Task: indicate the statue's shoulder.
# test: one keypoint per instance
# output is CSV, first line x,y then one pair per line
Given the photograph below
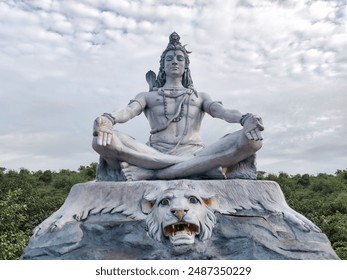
x,y
204,96
147,96
153,93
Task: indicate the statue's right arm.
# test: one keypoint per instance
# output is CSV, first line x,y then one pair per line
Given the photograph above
x,y
103,125
134,108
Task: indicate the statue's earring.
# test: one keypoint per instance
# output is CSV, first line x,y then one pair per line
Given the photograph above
x,y
185,77
162,75
161,78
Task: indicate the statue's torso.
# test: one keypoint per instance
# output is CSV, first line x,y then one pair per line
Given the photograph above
x,y
160,108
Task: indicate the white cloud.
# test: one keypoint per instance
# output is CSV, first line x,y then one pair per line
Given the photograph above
x,y
77,9
114,21
62,63
319,10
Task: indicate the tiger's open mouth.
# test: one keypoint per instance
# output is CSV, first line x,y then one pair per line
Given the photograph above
x,y
181,233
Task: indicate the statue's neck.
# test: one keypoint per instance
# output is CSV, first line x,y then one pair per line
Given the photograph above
x,y
173,82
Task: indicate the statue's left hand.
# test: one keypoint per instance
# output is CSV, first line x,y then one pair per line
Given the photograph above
x,y
253,125
103,129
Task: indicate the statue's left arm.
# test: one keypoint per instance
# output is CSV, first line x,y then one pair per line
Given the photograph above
x,y
252,124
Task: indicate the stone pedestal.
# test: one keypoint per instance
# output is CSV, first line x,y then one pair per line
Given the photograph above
x,y
107,220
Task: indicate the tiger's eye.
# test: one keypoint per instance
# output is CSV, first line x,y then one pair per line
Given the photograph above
x,y
193,200
164,202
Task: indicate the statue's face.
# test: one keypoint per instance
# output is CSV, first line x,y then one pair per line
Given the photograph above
x,y
174,63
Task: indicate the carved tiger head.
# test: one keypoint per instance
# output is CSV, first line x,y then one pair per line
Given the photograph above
x,y
179,215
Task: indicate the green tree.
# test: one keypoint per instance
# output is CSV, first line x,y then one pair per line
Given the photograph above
x,y
46,177
12,237
322,199
304,180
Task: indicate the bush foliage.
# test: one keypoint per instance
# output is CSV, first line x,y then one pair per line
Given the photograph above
x,y
322,199
27,198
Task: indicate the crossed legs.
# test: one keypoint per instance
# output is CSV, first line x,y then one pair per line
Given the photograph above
x,y
141,162
124,148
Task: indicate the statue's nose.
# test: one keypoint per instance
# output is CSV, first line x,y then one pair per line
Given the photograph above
x,y
179,213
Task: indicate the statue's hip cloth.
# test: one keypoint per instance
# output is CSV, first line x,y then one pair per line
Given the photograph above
x,y
177,149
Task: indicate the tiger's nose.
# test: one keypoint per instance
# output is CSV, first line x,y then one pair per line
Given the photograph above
x,y
179,213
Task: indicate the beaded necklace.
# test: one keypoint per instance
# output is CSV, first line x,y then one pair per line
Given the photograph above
x,y
173,93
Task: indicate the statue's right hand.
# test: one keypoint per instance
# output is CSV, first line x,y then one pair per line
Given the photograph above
x,y
103,129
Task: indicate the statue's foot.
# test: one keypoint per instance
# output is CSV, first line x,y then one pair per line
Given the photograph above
x,y
135,173
245,169
216,173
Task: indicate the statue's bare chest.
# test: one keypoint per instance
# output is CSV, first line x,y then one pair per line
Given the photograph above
x,y
169,106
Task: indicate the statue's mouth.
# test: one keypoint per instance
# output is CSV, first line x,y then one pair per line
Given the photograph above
x,y
181,233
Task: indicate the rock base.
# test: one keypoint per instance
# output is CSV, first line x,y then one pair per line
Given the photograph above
x,y
104,220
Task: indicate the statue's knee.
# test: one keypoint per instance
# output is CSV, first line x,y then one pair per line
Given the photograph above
x,y
255,145
95,145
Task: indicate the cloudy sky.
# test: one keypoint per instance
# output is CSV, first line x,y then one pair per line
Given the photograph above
x,y
63,63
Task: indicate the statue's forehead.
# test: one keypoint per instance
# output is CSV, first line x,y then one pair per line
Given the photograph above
x,y
174,52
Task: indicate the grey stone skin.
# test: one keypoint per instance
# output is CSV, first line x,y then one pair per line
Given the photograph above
x,y
104,220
